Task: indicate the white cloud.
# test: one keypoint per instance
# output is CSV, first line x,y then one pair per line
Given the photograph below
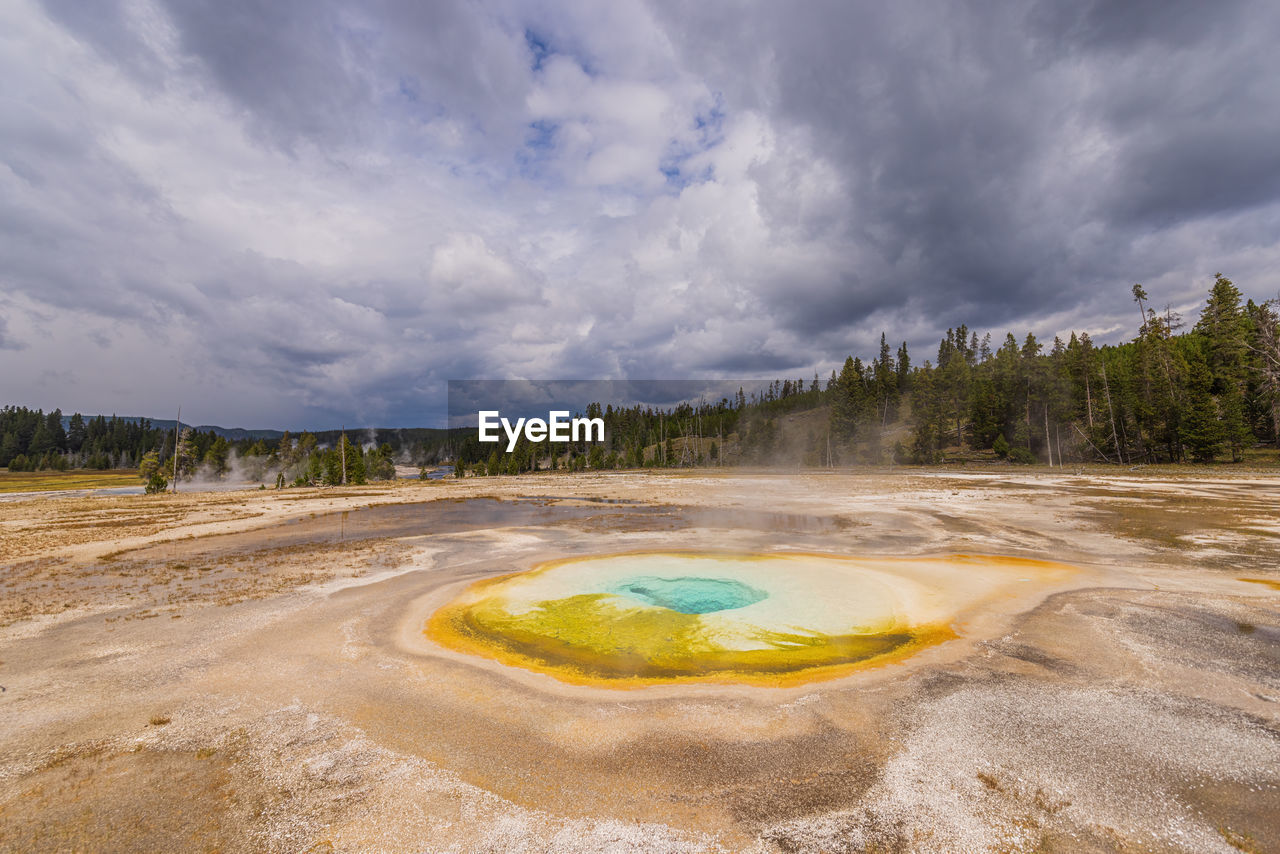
x,y
307,212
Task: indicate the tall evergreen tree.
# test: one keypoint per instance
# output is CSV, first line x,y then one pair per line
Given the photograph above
x,y
848,402
904,369
929,415
1224,327
1203,431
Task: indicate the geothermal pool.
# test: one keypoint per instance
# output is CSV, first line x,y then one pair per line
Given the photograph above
x,y
633,619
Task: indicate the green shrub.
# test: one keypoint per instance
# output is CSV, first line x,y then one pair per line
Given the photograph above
x,y
1022,456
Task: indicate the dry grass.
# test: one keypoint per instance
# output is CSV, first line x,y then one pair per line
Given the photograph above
x,y
44,481
28,529
142,589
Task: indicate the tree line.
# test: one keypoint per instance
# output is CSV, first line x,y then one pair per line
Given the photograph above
x,y
736,429
287,462
33,440
1204,394
1171,394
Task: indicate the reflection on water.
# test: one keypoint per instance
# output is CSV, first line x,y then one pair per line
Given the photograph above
x,y
589,499
436,473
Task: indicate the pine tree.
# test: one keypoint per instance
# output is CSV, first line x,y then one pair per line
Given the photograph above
x,y
904,369
1226,330
1202,433
929,412
848,402
152,473
1010,392
57,432
76,433
217,455
41,440
1235,429
952,378
332,467
1224,327
885,383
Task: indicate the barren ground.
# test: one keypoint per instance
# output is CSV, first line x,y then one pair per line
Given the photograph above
x,y
246,671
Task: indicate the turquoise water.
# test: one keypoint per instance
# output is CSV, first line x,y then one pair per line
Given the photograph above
x,y
690,594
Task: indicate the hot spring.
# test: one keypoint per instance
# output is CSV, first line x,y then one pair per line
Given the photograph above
x,y
661,617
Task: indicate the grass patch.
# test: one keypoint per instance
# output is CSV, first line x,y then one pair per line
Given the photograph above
x,y
45,481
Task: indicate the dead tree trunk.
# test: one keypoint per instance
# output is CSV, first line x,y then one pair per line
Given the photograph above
x,y
177,433
1115,438
1048,445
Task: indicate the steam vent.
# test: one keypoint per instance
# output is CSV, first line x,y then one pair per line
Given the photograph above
x,y
769,619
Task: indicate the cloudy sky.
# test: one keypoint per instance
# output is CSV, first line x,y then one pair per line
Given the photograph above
x,y
300,213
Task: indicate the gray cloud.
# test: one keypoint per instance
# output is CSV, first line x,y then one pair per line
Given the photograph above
x,y
305,213
7,341
982,146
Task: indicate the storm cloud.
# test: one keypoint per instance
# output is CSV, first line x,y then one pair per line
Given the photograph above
x,y
299,214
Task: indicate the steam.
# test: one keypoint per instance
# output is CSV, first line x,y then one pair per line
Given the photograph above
x,y
242,471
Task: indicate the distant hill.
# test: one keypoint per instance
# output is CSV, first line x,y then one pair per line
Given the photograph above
x,y
231,432
394,435
167,424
